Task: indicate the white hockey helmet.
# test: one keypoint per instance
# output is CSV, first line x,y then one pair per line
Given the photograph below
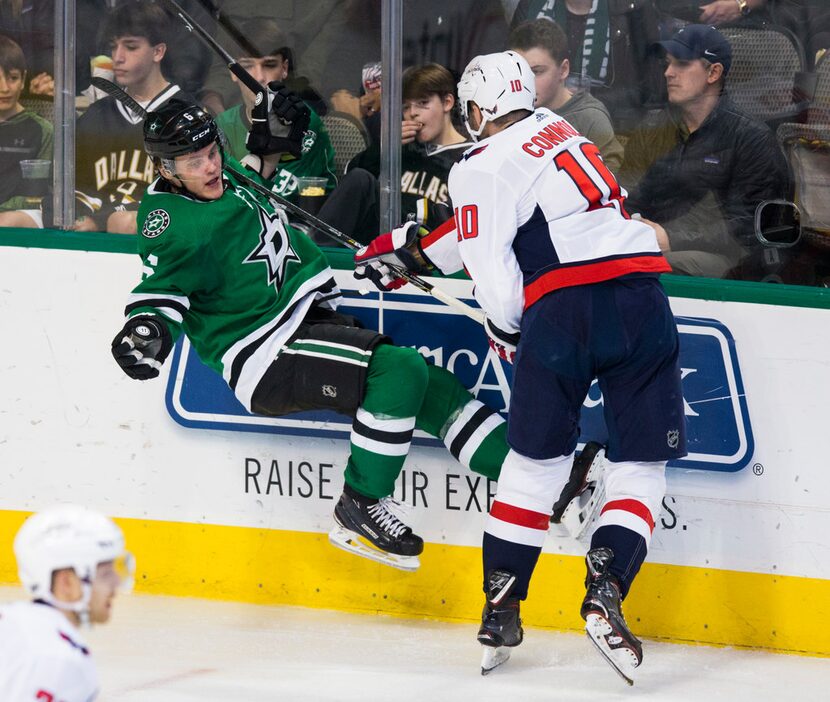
x,y
68,536
498,84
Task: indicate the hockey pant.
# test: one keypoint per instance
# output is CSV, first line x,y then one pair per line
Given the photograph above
x,y
403,392
518,522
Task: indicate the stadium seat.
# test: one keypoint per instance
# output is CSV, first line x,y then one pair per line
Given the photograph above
x,y
348,137
43,106
767,61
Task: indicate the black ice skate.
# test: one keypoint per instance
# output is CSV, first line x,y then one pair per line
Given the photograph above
x,y
366,527
583,493
501,626
604,621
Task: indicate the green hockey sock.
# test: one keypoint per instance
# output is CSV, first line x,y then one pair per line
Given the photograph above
x,y
383,425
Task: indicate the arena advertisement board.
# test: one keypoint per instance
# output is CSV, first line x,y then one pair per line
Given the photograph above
x,y
718,423
217,505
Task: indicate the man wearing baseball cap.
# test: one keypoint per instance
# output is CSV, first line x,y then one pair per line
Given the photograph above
x,y
697,170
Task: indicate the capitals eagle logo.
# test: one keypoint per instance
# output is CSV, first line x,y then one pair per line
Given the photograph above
x,y
274,248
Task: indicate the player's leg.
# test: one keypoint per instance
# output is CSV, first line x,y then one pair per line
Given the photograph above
x,y
639,377
333,365
552,375
475,434
380,439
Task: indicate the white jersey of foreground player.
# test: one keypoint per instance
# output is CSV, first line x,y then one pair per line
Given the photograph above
x,y
540,172
43,657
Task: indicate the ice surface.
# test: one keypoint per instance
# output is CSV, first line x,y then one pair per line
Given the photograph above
x,y
165,649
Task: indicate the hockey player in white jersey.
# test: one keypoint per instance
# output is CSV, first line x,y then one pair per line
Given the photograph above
x,y
72,561
569,284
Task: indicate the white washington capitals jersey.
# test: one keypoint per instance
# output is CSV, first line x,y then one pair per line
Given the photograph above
x,y
42,657
536,210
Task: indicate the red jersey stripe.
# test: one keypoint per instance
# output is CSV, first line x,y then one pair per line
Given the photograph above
x,y
592,273
634,507
519,516
441,230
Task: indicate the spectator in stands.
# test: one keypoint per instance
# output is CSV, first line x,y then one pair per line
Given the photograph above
x,y
31,26
23,136
545,47
609,44
272,65
809,20
431,145
219,92
698,171
726,11
31,23
112,169
365,108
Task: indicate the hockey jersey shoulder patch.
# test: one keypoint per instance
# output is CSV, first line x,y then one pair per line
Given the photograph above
x,y
155,223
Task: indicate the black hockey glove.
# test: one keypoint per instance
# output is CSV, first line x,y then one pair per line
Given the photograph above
x,y
279,121
502,342
141,346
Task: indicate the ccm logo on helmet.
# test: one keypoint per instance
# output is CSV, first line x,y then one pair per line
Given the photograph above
x,y
200,135
549,137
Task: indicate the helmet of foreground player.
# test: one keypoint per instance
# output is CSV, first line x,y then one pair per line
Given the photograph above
x,y
178,128
498,84
68,536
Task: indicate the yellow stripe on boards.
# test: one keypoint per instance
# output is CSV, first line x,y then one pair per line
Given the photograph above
x,y
675,603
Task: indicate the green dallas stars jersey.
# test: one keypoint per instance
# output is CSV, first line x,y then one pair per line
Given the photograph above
x,y
229,273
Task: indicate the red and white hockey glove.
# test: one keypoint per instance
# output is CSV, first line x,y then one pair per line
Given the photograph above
x,y
399,248
502,342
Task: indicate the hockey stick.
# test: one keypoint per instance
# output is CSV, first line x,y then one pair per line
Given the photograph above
x,y
119,94
233,31
192,26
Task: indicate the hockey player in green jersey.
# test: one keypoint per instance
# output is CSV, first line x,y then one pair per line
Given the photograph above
x,y
258,302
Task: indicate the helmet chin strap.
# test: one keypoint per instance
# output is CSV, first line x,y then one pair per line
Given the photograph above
x,y
474,133
79,606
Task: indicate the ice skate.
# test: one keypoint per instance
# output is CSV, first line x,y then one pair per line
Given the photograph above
x,y
604,621
366,527
578,502
501,626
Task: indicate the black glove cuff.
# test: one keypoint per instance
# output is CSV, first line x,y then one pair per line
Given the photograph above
x,y
509,337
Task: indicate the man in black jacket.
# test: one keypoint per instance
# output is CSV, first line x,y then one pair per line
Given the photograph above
x,y
699,169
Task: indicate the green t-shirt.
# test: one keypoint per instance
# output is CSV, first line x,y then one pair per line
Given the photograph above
x,y
229,273
26,135
317,157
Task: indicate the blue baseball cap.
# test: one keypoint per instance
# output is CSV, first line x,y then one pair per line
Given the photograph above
x,y
700,41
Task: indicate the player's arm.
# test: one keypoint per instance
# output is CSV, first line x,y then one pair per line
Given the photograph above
x,y
411,247
485,218
440,248
157,306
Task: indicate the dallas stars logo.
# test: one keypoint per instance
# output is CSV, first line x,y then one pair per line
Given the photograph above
x,y
156,222
274,248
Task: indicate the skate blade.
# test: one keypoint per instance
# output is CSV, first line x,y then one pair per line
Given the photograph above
x,y
622,660
493,657
352,542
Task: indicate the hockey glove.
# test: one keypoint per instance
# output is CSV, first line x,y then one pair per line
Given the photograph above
x,y
399,248
502,342
141,346
279,121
